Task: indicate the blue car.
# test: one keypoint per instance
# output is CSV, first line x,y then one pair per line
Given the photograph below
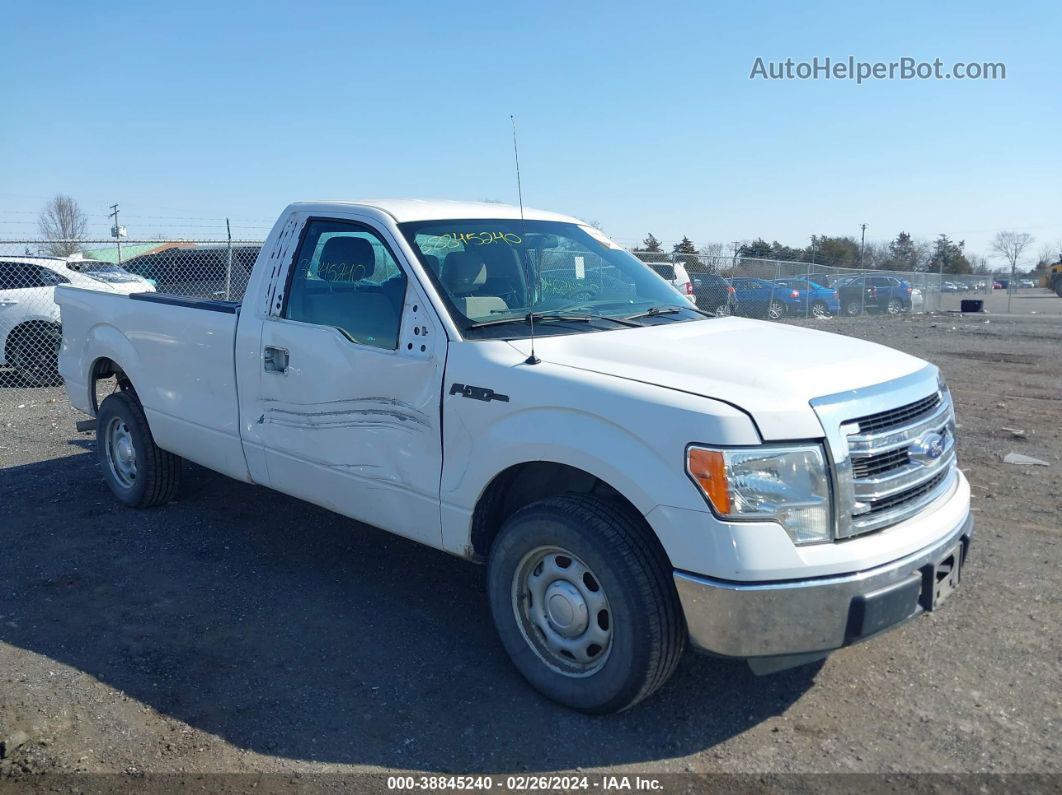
x,y
763,298
812,298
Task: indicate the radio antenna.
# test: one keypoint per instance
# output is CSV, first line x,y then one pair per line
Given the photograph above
x,y
516,156
532,359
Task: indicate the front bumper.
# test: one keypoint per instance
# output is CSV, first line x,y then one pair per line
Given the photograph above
x,y
795,621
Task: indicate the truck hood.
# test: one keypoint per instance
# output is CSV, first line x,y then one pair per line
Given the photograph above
x,y
769,370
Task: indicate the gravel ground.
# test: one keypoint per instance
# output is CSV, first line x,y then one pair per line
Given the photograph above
x,y
240,630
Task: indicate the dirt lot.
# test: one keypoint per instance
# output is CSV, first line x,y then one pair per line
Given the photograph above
x,y
241,630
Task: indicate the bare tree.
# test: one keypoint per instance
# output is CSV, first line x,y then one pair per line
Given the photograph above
x,y
1010,246
62,221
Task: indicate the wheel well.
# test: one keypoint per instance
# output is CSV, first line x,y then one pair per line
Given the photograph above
x,y
524,484
105,368
23,329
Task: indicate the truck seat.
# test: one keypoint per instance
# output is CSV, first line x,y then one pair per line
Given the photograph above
x,y
344,299
463,273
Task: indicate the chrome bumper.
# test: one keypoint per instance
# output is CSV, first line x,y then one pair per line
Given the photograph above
x,y
795,621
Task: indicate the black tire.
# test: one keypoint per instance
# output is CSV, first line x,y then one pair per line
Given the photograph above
x,y
157,472
895,306
819,309
648,631
33,352
723,310
852,308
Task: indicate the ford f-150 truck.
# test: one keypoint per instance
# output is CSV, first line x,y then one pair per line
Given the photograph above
x,y
635,473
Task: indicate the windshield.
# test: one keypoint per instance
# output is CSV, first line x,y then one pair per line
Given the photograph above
x,y
493,273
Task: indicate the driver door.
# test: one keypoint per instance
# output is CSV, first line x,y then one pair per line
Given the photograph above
x,y
351,363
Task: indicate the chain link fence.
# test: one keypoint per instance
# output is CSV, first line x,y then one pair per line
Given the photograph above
x,y
30,270
781,289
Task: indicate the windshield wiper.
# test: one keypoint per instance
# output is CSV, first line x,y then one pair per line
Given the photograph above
x,y
657,311
581,317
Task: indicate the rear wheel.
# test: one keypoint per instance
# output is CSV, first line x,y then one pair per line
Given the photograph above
x,y
140,474
33,352
584,602
895,306
775,310
723,310
819,309
852,308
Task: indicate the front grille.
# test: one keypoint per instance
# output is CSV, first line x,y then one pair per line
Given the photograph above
x,y
884,420
868,466
891,479
886,503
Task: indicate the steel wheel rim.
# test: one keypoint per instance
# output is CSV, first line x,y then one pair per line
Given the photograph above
x,y
120,451
562,611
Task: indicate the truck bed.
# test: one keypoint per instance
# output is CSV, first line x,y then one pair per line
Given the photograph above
x,y
177,351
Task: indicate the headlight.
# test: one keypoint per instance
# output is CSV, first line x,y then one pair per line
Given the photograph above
x,y
788,485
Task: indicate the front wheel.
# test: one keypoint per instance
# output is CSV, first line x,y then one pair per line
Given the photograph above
x,y
138,471
584,602
852,308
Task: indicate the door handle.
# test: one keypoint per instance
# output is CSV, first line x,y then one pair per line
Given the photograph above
x,y
275,359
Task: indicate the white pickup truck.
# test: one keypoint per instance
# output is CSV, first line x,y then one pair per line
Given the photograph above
x,y
514,388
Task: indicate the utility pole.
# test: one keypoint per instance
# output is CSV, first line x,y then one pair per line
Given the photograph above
x,y
735,245
116,231
862,243
228,263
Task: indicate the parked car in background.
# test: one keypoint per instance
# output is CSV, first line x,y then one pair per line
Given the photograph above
x,y
949,287
825,279
674,273
30,332
112,274
812,298
714,294
762,298
874,293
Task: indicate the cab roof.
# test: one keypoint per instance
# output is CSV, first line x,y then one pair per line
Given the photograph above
x,y
403,210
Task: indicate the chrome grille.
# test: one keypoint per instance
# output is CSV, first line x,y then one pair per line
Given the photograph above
x,y
893,417
889,482
870,465
889,463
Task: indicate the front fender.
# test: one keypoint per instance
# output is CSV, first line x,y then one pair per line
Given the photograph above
x,y
632,436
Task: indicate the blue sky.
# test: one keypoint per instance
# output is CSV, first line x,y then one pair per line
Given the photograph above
x,y
641,116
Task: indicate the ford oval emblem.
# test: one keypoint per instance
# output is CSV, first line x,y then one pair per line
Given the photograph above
x,y
929,447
